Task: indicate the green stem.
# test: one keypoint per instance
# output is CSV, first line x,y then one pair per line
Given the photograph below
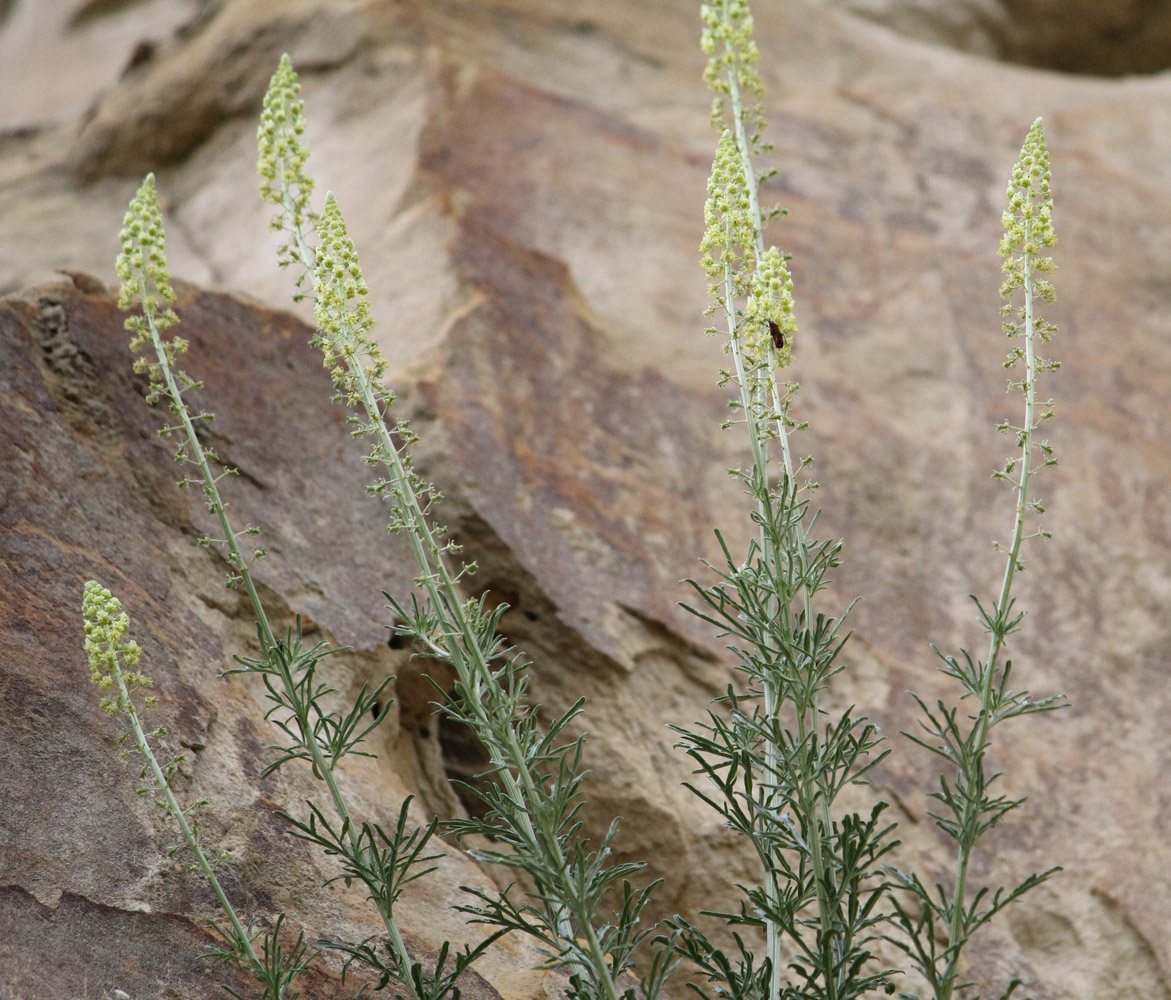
x,y
176,811
818,816
772,696
462,647
321,766
305,253
440,586
983,723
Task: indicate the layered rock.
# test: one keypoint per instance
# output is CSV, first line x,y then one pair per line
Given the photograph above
x,y
524,183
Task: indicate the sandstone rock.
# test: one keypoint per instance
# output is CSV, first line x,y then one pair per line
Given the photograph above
x,y
1072,36
524,182
57,56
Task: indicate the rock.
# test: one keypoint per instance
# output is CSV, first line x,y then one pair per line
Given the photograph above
x,y
57,56
80,455
525,183
1071,36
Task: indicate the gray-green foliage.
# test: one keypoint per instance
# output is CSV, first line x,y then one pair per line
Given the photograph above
x,y
967,805
320,736
776,763
772,760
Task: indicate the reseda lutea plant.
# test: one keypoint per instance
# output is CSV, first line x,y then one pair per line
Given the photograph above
x,y
383,862
775,761
112,662
531,810
968,808
583,911
774,758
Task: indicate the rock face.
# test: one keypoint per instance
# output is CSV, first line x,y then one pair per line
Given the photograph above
x,y
524,180
1072,36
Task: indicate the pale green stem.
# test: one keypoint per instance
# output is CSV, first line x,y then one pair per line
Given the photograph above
x,y
305,253
742,145
176,811
758,231
782,432
996,639
441,589
819,811
771,695
236,558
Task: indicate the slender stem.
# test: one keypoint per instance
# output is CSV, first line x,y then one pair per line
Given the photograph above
x,y
463,649
305,253
176,811
742,145
772,697
440,586
309,740
980,740
817,818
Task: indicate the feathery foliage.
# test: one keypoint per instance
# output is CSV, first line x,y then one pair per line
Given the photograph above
x,y
774,761
582,910
967,806
770,758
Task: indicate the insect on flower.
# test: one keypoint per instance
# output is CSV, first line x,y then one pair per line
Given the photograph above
x,y
775,333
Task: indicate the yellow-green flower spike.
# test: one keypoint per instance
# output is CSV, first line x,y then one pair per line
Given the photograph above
x,y
342,308
749,284
732,57
1028,232
1028,220
773,322
283,153
728,254
105,624
730,237
142,264
146,282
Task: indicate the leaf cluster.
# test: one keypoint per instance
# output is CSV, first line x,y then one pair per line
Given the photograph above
x,y
775,764
289,673
532,797
773,760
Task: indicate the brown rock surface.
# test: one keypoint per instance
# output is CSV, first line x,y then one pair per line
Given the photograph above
x,y
524,181
1074,36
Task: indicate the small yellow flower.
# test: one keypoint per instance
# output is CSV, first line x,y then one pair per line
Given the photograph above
x,y
1028,220
105,624
283,154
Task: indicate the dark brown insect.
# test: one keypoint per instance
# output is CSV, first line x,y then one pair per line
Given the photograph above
x,y
775,332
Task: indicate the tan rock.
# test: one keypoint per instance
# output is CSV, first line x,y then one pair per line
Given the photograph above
x,y
524,182
1072,36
